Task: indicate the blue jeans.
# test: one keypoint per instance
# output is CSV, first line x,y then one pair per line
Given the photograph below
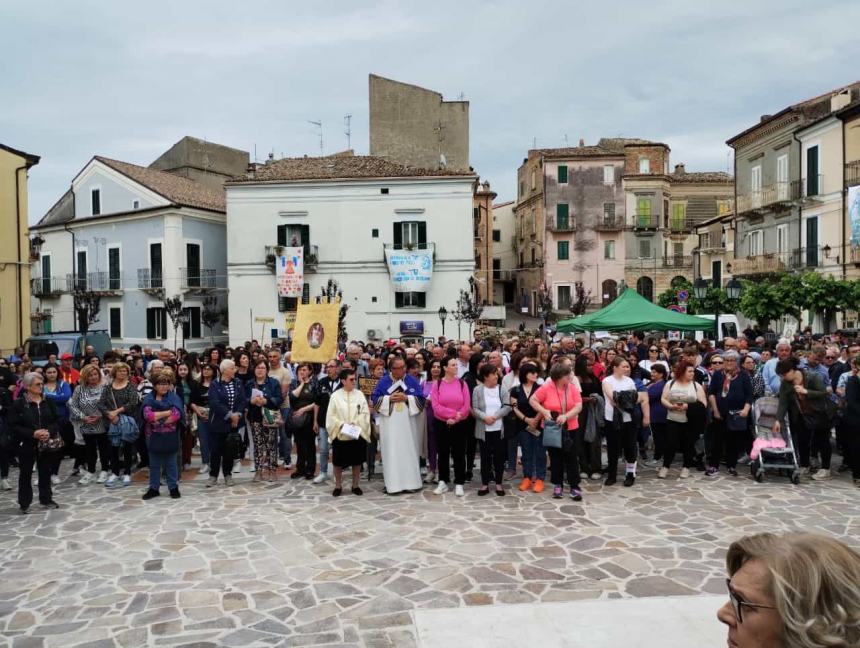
x,y
534,455
322,435
203,431
285,444
168,461
512,445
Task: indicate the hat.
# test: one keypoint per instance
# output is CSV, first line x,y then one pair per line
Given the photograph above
x,y
67,356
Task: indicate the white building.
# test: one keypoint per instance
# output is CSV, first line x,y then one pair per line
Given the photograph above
x,y
345,210
504,253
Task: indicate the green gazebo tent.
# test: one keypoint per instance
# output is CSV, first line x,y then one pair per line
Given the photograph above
x,y
632,312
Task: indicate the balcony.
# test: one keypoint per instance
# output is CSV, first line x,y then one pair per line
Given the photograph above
x,y
48,286
812,187
272,252
645,221
779,194
610,224
197,279
764,263
852,173
504,275
678,261
682,225
561,226
97,282
150,281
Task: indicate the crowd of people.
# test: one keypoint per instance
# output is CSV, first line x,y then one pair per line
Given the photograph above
x,y
531,414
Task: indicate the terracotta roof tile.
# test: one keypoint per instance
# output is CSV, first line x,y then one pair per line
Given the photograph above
x,y
704,176
605,146
174,188
336,167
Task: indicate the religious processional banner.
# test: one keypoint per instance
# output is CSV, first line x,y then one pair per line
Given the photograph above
x,y
291,272
315,334
854,214
410,270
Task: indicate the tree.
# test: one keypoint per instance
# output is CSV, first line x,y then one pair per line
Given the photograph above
x,y
760,302
715,299
332,292
789,293
211,315
826,295
176,312
583,299
469,309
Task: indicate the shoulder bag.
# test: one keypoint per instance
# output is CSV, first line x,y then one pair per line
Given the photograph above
x,y
553,433
54,442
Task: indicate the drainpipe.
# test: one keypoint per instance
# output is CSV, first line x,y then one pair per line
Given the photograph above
x,y
74,246
844,192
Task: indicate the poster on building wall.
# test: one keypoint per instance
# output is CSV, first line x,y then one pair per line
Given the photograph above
x,y
315,332
291,272
410,270
854,214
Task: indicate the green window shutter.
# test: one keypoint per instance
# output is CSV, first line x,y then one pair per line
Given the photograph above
x,y
563,250
422,235
150,323
282,235
562,215
421,299
398,300
398,236
562,174
162,312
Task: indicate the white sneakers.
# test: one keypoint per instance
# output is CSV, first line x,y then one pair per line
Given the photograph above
x,y
126,480
5,485
441,489
821,475
662,473
110,481
685,473
204,469
86,478
458,491
102,478
55,479
430,477
319,479
237,466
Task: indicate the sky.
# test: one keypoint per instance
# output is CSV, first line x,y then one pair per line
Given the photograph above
x,y
127,80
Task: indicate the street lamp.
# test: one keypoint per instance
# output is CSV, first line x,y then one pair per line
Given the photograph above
x,y
734,288
443,315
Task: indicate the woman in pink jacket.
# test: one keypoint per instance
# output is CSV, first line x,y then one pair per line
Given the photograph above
x,y
451,407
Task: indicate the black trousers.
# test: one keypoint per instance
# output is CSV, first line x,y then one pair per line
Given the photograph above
x,y
306,456
565,460
658,431
220,455
96,444
452,440
725,442
680,436
851,447
494,452
620,437
126,450
44,462
821,444
802,439
471,446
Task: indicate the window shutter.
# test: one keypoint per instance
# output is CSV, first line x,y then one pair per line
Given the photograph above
x,y
282,304
562,173
421,300
282,235
422,235
306,239
195,322
306,293
150,323
163,313
186,326
562,215
398,300
398,236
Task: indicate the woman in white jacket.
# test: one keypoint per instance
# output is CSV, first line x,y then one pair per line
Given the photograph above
x,y
348,426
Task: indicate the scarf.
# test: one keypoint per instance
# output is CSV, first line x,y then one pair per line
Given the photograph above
x,y
170,400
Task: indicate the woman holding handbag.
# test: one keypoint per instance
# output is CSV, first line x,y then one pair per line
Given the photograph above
x,y
730,397
264,416
621,397
33,422
490,405
120,399
684,399
227,404
303,422
559,402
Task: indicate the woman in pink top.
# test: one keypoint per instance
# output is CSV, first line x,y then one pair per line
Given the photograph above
x,y
560,400
451,408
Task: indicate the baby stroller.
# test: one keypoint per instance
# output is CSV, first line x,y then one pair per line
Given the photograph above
x,y
773,451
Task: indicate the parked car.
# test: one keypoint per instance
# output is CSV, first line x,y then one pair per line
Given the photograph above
x,y
40,347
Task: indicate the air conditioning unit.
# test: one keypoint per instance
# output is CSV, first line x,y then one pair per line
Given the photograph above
x,y
374,334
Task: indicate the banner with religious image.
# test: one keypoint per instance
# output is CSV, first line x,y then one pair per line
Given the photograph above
x,y
315,332
410,270
854,214
291,272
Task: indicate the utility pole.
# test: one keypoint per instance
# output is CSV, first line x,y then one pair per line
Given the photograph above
x,y
348,132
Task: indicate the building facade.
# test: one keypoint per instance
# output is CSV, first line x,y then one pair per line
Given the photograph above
x,y
713,257
482,225
131,237
504,254
14,248
345,211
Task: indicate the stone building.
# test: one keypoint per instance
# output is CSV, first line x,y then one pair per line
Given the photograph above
x,y
504,253
482,224
208,163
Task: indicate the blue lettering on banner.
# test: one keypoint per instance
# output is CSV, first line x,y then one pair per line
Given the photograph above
x,y
410,271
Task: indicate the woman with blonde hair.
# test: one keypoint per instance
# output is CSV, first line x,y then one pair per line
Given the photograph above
x,y
87,417
798,590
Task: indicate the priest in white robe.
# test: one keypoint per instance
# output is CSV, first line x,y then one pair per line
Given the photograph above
x,y
399,401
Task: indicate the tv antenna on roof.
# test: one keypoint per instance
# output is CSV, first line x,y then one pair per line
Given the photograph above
x,y
348,132
318,124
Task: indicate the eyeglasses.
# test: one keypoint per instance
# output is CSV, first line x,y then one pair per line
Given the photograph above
x,y
830,357
716,362
37,384
653,350
350,379
738,603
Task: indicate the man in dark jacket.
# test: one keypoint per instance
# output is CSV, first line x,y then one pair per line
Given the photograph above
x,y
326,386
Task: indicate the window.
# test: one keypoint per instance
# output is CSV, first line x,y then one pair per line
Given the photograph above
x,y
478,261
563,300
135,204
522,188
497,269
754,243
679,215
534,221
374,233
114,277
644,165
497,236
306,293
705,241
644,248
155,266
563,250
562,216
608,249
717,273
156,323
562,174
645,287
410,235
295,236
782,177
812,178
46,273
81,278
812,242
533,257
608,212
410,300
782,241
95,202
755,185
191,328
643,211
608,174
192,258
724,207
384,191
115,323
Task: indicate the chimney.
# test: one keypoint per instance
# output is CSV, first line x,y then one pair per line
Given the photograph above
x,y
840,100
679,169
764,118
581,141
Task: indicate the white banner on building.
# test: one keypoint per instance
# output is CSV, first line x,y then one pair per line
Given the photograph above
x,y
291,272
854,214
410,270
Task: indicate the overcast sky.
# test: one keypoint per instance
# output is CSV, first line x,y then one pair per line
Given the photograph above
x,y
126,80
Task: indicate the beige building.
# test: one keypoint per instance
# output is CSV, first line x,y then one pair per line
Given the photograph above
x,y
713,258
15,248
482,225
504,253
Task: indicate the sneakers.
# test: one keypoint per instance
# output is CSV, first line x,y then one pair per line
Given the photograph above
x,y
556,492
732,471
611,479
575,494
55,480
203,469
525,484
458,490
596,476
441,488
110,482
228,481
102,478
711,471
629,479
175,494
822,475
86,478
237,466
149,494
51,505
662,473
685,473
745,460
804,470
652,462
211,482
538,486
319,479
583,475
126,480
5,485
430,477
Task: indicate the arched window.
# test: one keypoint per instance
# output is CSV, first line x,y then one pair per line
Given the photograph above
x,y
609,291
645,287
679,282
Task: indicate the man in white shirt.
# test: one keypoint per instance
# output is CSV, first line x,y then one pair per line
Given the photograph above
x,y
464,352
768,373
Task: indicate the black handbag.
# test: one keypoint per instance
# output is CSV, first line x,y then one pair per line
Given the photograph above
x,y
299,421
233,444
736,422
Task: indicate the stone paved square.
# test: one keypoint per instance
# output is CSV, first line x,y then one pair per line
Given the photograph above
x,y
289,565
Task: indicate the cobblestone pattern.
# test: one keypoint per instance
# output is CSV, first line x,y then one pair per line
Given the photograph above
x,y
289,565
